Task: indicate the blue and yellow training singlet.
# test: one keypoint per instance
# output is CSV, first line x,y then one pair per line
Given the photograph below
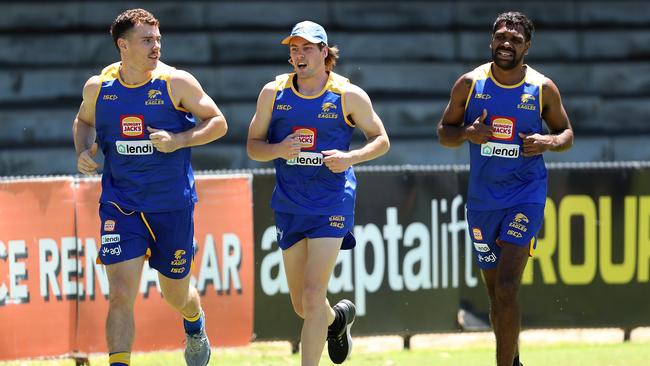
x,y
304,185
500,176
136,176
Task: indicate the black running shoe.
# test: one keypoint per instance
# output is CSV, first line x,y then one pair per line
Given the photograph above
x,y
339,341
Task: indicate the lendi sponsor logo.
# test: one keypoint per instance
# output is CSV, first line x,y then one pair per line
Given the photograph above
x,y
306,137
132,125
503,128
481,247
110,238
307,158
142,147
508,151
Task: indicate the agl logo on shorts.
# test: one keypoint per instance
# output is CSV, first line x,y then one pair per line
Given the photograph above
x,y
132,125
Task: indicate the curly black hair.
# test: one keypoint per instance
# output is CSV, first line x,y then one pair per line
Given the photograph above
x,y
513,19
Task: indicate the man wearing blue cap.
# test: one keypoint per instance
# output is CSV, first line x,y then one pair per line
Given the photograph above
x,y
304,123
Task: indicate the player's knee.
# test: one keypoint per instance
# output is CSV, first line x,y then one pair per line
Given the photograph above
x,y
505,292
121,296
177,300
297,308
313,299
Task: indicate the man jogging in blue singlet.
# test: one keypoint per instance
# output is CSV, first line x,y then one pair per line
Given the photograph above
x,y
500,107
145,116
304,123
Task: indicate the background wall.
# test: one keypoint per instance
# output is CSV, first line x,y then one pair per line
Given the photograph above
x,y
405,54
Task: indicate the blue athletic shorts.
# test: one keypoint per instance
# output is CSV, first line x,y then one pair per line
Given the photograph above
x,y
516,225
292,228
167,237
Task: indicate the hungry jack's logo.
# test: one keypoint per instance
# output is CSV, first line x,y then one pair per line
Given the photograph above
x,y
132,126
503,128
306,137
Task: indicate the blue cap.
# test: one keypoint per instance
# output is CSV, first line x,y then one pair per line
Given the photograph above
x,y
308,30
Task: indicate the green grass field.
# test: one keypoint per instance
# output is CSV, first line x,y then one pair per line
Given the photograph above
x,y
278,354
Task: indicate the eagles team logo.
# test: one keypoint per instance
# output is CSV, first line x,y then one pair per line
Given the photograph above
x,y
526,98
179,254
153,95
328,110
327,106
521,218
178,259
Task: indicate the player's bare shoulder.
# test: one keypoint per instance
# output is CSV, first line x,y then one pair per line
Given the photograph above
x,y
90,93
181,80
548,85
269,89
461,89
91,88
267,95
465,81
550,94
354,95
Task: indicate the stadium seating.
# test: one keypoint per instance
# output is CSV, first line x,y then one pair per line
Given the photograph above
x,y
405,54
